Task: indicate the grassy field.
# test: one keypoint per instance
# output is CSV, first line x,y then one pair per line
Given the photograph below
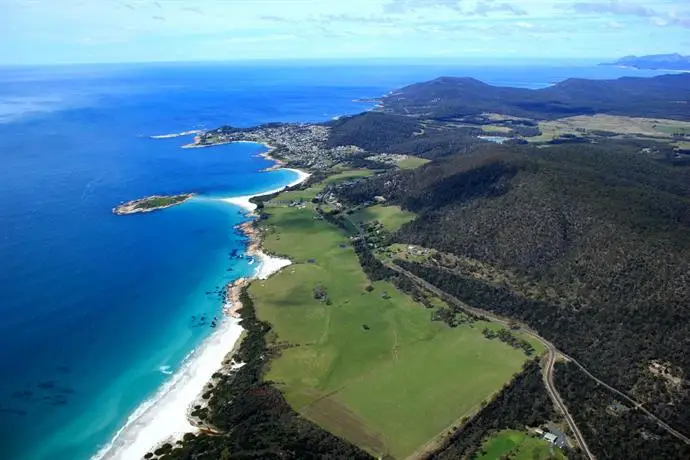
x,y
411,162
674,128
518,446
311,192
650,127
367,362
346,175
685,145
496,129
157,202
391,217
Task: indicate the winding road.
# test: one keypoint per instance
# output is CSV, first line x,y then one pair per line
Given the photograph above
x,y
547,365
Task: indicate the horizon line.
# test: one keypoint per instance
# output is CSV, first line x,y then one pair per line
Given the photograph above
x,y
373,60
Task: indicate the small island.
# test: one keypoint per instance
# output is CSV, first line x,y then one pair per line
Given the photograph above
x,y
151,203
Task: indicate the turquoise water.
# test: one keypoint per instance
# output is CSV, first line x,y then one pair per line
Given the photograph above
x,y
97,310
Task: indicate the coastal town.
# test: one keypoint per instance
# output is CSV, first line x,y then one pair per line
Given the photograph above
x,y
300,145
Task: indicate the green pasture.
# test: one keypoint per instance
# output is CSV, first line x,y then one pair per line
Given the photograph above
x,y
366,362
391,217
517,445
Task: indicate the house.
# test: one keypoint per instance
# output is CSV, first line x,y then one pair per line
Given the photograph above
x,y
551,438
555,437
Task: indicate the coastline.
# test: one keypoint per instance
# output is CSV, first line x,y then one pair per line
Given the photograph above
x,y
166,417
244,200
278,164
174,135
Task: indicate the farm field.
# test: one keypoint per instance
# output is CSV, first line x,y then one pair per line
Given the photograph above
x,y
660,128
362,359
683,145
311,192
517,445
496,129
412,162
391,217
346,175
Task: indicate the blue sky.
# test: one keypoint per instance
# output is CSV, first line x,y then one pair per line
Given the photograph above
x,y
63,31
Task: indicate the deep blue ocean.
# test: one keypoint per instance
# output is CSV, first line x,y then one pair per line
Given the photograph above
x,y
96,309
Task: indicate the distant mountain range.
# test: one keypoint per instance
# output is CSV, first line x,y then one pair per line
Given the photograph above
x,y
664,96
673,61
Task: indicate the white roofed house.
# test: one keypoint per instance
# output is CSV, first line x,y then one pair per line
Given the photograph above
x,y
551,438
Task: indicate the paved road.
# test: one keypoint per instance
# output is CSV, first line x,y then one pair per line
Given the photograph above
x,y
552,355
552,352
547,369
636,404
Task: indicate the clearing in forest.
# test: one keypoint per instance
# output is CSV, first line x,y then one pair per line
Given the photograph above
x,y
362,359
391,217
411,162
517,445
581,124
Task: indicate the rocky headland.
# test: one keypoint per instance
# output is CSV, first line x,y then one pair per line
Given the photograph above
x,y
151,203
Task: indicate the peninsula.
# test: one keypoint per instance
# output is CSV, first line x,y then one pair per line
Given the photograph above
x,y
151,203
673,62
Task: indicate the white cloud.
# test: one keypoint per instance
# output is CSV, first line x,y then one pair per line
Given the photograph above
x,y
659,13
43,30
658,21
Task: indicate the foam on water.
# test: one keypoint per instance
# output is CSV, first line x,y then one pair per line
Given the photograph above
x,y
164,416
165,370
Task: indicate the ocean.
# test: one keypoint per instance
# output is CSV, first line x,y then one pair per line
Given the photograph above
x,y
101,313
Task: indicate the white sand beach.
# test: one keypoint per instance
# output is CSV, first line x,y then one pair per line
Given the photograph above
x,y
244,203
171,136
269,265
164,416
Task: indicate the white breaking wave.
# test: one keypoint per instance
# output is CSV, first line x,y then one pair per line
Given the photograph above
x,y
164,416
165,370
168,136
243,201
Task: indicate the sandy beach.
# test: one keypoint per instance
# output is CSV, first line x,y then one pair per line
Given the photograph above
x,y
165,416
174,135
244,203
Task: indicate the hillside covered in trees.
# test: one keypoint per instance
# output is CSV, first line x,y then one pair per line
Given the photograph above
x,y
449,97
382,132
587,244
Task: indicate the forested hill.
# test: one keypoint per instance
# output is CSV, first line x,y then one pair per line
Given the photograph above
x,y
380,132
665,96
589,245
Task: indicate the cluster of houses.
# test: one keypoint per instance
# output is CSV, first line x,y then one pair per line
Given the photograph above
x,y
299,143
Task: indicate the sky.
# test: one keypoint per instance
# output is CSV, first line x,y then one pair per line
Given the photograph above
x,y
95,31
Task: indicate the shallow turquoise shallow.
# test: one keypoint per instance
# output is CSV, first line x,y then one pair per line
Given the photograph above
x,y
97,310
